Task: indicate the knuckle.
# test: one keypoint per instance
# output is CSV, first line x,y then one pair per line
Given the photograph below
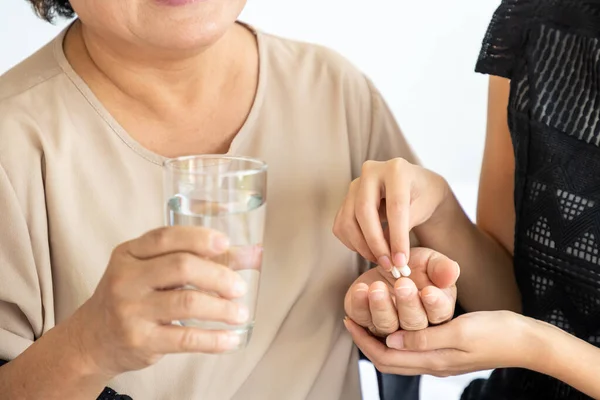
x,y
362,207
417,340
414,324
182,264
396,206
160,237
134,339
117,285
441,317
336,228
124,311
398,164
369,166
348,225
386,323
119,251
190,340
188,301
344,223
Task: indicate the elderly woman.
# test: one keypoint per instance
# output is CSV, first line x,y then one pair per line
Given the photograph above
x,y
86,124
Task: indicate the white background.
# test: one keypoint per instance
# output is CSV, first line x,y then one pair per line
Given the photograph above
x,y
420,54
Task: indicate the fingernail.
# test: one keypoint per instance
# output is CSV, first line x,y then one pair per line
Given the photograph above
x,y
219,242
239,288
346,323
395,342
430,299
243,314
404,291
377,295
384,262
232,341
400,259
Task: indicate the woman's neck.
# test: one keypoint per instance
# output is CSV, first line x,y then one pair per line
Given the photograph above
x,y
157,79
162,99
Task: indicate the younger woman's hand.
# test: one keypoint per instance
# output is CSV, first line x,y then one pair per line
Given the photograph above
x,y
395,192
472,342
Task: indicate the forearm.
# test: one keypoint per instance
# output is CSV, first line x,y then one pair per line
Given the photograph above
x,y
51,368
565,357
487,281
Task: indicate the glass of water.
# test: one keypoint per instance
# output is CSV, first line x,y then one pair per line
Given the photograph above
x,y
227,194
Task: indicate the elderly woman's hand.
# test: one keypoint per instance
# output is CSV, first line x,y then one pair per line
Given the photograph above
x,y
126,324
472,342
382,304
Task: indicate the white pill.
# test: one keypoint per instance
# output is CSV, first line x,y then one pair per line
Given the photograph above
x,y
405,271
395,273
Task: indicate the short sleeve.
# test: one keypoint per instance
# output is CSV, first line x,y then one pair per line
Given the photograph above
x,y
505,40
26,299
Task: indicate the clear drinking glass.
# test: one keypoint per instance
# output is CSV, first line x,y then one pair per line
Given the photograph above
x,y
227,194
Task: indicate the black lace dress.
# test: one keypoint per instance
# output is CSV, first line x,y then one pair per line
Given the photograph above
x,y
550,50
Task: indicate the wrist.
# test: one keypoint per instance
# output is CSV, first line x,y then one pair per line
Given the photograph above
x,y
537,346
53,368
78,349
447,217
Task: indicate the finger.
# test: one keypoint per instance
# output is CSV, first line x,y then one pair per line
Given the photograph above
x,y
447,336
174,305
340,226
171,339
384,358
368,201
433,269
383,312
438,304
199,241
411,314
346,227
397,202
357,241
442,271
184,269
359,305
243,257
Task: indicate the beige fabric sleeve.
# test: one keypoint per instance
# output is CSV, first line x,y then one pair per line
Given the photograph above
x,y
26,301
20,295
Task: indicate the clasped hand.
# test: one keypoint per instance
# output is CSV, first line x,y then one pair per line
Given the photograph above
x,y
383,305
391,320
405,326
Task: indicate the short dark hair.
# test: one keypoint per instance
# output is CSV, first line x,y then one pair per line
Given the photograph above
x,y
49,9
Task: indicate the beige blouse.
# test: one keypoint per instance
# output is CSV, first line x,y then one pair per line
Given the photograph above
x,y
74,184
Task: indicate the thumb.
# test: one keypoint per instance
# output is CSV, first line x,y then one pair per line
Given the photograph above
x,y
441,270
